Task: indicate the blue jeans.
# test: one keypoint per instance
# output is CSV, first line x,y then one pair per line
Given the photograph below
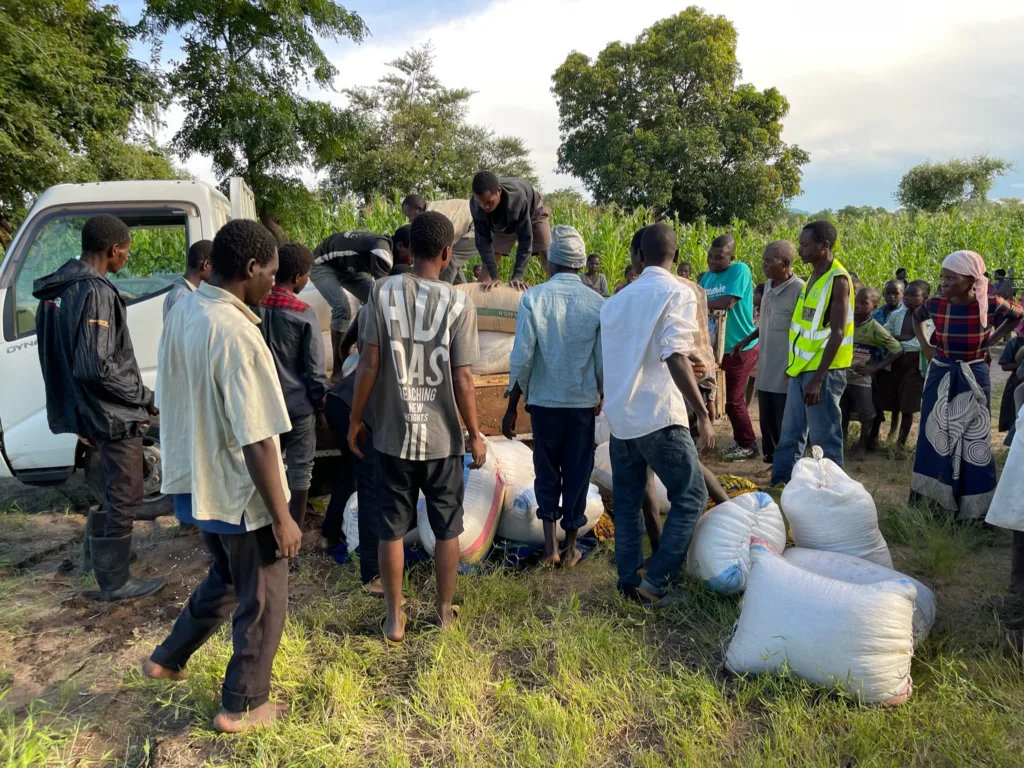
x,y
670,452
824,423
563,460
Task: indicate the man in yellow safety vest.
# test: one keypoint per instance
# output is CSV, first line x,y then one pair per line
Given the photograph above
x,y
820,351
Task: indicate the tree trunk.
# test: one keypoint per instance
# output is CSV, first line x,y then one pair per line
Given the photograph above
x,y
270,222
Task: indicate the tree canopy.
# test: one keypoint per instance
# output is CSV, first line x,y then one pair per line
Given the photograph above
x,y
413,134
663,123
73,101
244,61
941,186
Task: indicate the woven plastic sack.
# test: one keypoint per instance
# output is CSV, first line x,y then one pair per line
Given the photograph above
x,y
828,510
602,477
720,549
496,309
1007,507
495,352
827,631
350,526
856,570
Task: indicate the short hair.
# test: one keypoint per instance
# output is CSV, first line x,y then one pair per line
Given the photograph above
x,y
723,241
894,283
102,232
999,274
485,181
900,269
660,242
401,236
430,233
759,288
198,253
415,200
638,236
871,291
593,256
822,231
783,249
293,259
628,271
238,241
924,285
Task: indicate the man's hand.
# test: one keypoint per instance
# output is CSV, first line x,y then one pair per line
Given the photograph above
x,y
737,349
477,446
321,419
288,537
706,439
488,284
699,369
88,441
508,424
356,437
599,407
518,285
812,392
152,409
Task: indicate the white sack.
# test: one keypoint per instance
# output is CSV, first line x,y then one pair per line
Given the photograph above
x,y
602,429
484,496
1007,507
515,462
855,570
720,549
521,523
828,510
350,526
496,309
495,352
827,631
602,477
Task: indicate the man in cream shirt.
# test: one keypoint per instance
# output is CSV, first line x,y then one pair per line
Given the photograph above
x,y
463,242
647,334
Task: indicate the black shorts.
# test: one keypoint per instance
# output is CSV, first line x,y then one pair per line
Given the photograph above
x,y
857,402
402,480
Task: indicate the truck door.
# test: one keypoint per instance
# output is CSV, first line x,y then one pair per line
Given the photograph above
x,y
160,241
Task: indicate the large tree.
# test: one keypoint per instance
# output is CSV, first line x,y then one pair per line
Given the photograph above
x,y
940,186
72,100
414,135
244,63
663,123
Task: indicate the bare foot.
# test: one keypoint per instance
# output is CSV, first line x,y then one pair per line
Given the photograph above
x,y
552,559
394,632
262,716
572,558
154,671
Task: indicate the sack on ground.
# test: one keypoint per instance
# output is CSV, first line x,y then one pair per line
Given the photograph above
x,y
350,526
830,632
495,353
1007,507
515,463
496,309
720,549
602,477
828,510
484,496
856,570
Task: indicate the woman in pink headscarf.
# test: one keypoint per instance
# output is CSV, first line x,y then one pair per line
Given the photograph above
x,y
953,466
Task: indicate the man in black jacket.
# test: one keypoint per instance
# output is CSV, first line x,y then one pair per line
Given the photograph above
x,y
505,211
94,390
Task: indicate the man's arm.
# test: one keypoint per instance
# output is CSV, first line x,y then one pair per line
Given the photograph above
x,y
262,461
682,374
95,363
926,347
723,302
524,228
482,236
740,345
366,377
837,332
520,367
465,401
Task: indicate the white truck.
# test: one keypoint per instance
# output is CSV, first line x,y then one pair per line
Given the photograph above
x,y
165,218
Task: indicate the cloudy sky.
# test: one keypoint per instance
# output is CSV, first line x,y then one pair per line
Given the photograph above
x,y
874,87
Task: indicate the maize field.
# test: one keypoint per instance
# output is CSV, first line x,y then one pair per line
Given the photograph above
x,y
873,246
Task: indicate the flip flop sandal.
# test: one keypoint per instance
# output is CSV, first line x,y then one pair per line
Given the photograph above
x,y
456,612
395,643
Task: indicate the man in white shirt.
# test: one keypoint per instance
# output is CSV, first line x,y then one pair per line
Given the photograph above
x,y
647,334
223,411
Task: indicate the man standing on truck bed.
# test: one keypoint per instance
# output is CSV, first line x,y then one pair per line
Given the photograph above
x,y
94,390
505,211
463,242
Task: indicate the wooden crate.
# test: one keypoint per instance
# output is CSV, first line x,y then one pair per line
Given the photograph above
x,y
491,405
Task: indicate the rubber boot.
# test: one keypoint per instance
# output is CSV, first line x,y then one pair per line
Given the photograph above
x,y
110,563
96,522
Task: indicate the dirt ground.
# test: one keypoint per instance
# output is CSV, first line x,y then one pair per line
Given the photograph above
x,y
62,651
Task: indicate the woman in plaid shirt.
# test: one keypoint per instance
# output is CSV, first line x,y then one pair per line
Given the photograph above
x,y
953,468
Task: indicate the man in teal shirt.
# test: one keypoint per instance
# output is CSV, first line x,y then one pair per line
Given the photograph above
x,y
730,286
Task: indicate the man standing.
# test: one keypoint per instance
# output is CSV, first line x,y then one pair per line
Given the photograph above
x,y
780,296
506,210
463,243
820,351
730,286
197,269
594,277
556,365
348,261
94,390
648,330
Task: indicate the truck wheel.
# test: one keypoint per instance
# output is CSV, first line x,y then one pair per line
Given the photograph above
x,y
154,503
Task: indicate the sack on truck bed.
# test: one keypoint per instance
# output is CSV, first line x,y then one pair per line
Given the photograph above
x,y
828,510
720,549
496,309
484,496
827,631
495,353
856,570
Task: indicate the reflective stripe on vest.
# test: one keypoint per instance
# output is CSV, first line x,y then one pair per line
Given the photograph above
x,y
807,338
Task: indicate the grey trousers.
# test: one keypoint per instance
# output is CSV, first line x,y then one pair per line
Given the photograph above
x,y
463,250
332,284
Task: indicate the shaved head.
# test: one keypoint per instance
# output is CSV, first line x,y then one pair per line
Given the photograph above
x,y
659,246
782,250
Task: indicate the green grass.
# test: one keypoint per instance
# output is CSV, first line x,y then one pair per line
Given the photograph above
x,y
39,738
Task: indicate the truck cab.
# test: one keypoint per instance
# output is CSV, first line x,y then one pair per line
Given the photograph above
x,y
165,218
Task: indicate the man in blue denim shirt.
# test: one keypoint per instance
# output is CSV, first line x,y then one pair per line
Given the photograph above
x,y
556,364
